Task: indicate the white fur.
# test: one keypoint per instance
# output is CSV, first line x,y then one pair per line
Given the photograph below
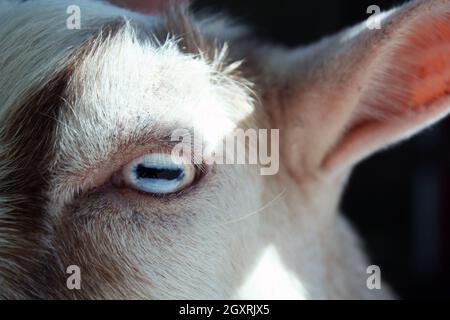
x,y
236,234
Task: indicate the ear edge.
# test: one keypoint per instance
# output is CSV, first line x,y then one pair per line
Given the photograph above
x,y
410,91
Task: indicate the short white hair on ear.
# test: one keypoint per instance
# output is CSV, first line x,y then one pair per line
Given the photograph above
x,y
361,90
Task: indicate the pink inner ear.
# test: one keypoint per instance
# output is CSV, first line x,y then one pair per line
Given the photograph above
x,y
433,77
405,95
422,65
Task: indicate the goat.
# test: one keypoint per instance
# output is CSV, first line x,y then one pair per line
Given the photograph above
x,y
86,119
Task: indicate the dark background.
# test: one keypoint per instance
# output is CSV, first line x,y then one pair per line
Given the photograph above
x,y
398,200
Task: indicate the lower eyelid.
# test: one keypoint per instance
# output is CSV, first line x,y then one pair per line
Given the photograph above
x,y
164,187
117,180
134,195
116,189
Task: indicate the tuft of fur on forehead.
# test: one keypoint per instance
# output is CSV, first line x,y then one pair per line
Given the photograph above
x,y
51,69
177,21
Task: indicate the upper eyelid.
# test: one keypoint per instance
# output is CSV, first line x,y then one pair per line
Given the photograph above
x,y
96,172
68,193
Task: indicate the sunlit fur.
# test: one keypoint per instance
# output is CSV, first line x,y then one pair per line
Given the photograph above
x,y
77,105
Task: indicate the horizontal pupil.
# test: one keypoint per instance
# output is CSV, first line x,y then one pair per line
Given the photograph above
x,y
144,172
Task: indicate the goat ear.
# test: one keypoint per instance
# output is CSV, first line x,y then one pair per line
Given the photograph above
x,y
353,94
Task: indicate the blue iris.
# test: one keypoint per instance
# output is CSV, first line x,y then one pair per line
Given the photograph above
x,y
155,173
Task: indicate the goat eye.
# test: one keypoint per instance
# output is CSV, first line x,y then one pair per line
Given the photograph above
x,y
158,174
